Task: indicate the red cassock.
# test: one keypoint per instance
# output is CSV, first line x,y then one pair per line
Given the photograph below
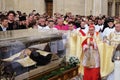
x,y
90,73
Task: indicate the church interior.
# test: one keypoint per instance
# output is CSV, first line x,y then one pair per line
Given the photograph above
x,y
59,39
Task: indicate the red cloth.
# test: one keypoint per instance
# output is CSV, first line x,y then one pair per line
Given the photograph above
x,y
84,42
91,74
91,40
83,34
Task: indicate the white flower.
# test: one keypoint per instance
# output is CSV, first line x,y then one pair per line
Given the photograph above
x,y
73,61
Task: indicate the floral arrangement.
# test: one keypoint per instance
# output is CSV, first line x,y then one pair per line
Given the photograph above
x,y
74,61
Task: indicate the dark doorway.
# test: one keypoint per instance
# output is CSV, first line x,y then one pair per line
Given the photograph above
x,y
110,8
117,10
49,7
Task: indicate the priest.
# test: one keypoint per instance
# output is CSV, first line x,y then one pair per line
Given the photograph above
x,y
114,39
83,30
91,58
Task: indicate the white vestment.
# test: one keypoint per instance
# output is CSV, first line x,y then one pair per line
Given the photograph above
x,y
114,39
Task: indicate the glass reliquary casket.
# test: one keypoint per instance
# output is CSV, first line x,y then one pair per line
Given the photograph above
x,y
26,53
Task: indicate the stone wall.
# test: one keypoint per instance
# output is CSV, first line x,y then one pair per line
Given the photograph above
x,y
23,5
74,6
82,7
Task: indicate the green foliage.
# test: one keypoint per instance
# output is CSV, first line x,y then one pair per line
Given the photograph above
x,y
54,73
73,62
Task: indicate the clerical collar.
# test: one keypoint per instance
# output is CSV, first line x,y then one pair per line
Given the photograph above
x,y
117,32
99,24
3,28
111,27
82,28
72,30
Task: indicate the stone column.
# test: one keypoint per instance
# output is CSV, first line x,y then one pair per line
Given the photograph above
x,y
88,7
58,6
104,7
113,8
24,6
9,5
2,5
16,5
29,5
74,6
97,7
117,9
109,8
39,5
54,6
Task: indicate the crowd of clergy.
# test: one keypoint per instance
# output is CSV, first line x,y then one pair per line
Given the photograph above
x,y
107,27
